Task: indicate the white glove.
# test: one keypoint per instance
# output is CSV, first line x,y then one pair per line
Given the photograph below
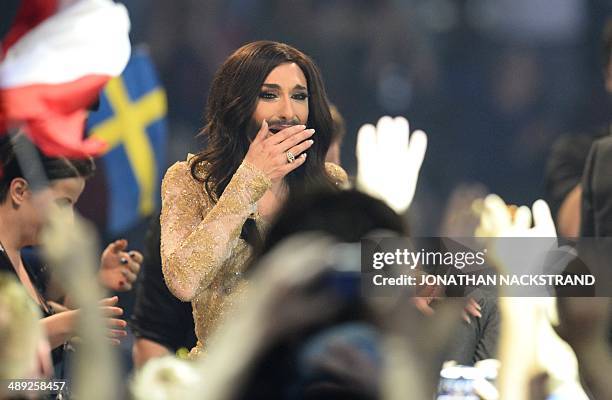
x,y
527,320
522,253
496,220
389,160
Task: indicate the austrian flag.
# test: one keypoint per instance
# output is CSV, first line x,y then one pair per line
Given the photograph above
x,y
54,72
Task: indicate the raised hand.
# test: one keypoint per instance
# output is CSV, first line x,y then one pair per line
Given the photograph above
x,y
497,220
389,160
526,323
118,267
280,153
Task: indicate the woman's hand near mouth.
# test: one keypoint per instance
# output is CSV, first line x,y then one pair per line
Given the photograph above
x,y
269,153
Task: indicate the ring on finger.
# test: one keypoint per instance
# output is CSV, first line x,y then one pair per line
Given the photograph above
x,y
290,157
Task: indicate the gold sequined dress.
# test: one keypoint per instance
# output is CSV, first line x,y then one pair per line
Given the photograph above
x,y
202,253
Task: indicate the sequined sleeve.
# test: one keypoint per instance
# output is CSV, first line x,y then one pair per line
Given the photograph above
x,y
337,174
197,235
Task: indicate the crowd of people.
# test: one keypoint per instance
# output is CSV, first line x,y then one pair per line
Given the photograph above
x,y
253,282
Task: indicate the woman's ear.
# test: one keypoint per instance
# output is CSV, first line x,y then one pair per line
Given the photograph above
x,y
18,191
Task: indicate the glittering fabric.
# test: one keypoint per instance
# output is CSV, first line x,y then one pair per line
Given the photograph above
x,y
337,175
203,256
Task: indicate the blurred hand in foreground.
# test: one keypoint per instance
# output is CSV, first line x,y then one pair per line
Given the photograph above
x,y
389,160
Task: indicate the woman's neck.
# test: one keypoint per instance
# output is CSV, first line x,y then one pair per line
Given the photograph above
x,y
10,239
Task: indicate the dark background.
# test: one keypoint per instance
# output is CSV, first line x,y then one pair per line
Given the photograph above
x,y
493,83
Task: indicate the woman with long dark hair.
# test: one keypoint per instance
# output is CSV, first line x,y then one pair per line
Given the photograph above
x,y
31,185
268,129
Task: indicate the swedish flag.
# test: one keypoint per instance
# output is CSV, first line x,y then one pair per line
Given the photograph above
x,y
131,119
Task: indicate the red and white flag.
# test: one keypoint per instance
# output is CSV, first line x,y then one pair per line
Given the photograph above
x,y
55,71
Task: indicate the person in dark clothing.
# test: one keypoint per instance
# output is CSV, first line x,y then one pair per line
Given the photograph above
x,y
478,336
321,350
596,208
478,339
566,163
161,322
564,169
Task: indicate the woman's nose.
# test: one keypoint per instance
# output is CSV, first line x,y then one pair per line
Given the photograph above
x,y
286,110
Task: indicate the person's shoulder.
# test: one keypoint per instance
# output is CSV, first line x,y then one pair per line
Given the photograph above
x,y
180,172
573,143
598,162
580,141
337,174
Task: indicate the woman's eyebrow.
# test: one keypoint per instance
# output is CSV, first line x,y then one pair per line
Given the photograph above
x,y
271,86
277,86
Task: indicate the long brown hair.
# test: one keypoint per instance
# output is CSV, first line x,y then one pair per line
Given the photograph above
x,y
231,103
